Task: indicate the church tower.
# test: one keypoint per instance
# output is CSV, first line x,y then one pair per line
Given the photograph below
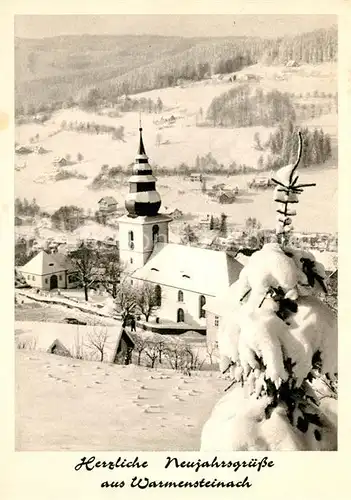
x,y
142,227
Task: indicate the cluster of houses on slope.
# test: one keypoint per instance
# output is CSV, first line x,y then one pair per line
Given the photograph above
x,y
26,150
185,279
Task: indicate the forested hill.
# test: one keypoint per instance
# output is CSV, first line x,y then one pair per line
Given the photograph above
x,y
58,68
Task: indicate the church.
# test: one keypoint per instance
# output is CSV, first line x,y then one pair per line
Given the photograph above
x,y
184,277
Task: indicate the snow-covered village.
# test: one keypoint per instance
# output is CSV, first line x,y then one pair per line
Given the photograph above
x,y
176,266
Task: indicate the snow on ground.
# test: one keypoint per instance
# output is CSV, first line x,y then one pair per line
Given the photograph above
x,y
181,142
28,310
69,404
317,209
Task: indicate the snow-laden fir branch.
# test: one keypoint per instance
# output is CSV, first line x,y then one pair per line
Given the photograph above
x,y
286,193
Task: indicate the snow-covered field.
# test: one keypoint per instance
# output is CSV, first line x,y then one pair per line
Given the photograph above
x,y
182,143
69,404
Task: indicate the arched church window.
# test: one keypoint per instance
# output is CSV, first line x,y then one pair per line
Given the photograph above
x,y
131,240
158,295
202,302
180,316
180,296
155,233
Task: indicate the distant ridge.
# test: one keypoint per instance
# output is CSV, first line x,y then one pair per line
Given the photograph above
x,y
56,68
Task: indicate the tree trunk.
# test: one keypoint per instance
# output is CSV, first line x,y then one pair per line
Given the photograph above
x,y
139,358
86,292
114,290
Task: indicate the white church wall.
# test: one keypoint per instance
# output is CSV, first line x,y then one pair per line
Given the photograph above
x,y
190,306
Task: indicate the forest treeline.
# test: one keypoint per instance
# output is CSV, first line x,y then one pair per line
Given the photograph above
x,y
282,147
194,60
240,108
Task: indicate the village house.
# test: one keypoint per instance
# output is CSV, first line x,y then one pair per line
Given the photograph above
x,y
206,221
107,205
60,161
226,197
176,214
195,177
49,271
23,150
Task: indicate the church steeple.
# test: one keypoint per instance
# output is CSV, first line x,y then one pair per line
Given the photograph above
x,y
141,143
143,199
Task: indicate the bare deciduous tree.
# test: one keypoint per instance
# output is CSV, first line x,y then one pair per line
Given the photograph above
x,y
152,352
85,259
126,299
174,353
140,343
96,342
211,350
110,269
192,359
146,300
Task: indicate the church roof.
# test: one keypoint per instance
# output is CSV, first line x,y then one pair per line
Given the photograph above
x,y
190,268
44,263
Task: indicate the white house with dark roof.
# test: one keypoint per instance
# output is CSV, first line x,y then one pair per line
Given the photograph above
x,y
184,277
49,271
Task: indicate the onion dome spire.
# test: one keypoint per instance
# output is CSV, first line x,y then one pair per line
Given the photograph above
x,y
141,143
143,199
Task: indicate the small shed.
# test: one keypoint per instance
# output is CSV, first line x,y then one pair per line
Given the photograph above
x,y
107,204
60,161
108,344
292,64
226,197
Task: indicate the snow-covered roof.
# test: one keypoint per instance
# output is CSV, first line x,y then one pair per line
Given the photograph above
x,y
190,268
44,263
64,261
109,200
328,259
72,337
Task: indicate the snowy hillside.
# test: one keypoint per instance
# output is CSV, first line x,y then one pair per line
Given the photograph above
x,y
180,142
108,407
